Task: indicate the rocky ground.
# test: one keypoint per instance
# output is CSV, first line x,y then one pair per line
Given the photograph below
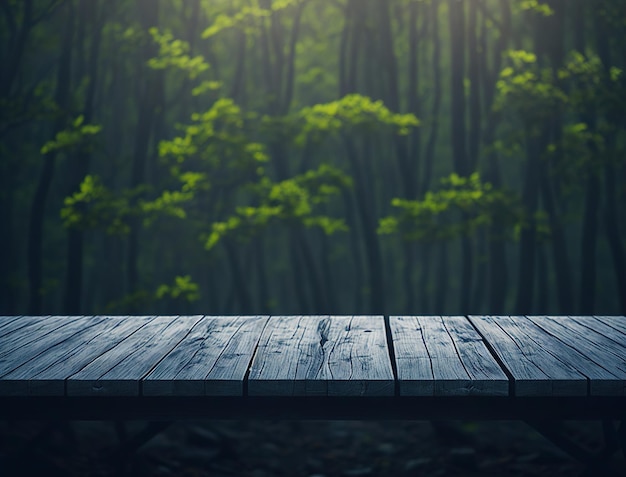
x,y
295,448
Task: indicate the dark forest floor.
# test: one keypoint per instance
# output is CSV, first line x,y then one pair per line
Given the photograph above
x,y
308,449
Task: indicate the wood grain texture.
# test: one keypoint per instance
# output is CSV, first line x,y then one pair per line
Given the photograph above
x,y
20,332
616,322
536,372
322,355
12,326
45,373
6,321
211,360
438,356
607,354
38,346
600,382
119,370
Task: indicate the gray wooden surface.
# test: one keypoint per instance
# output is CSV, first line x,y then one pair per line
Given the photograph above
x,y
322,355
211,360
604,353
439,356
119,371
536,371
312,356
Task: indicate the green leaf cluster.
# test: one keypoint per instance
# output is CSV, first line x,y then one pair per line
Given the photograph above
x,y
218,142
353,113
527,90
78,136
293,202
94,205
534,6
183,288
244,17
458,208
174,53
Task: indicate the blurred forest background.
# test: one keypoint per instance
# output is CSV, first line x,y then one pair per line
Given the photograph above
x,y
312,156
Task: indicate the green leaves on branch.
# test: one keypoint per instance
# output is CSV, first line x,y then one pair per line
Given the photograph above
x,y
353,113
527,90
217,142
292,202
174,53
183,288
462,205
245,16
96,206
581,82
534,6
78,136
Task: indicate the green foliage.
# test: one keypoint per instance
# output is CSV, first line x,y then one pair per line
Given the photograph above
x,y
93,205
293,202
218,142
245,16
526,90
169,203
174,53
182,288
458,208
534,6
78,136
350,114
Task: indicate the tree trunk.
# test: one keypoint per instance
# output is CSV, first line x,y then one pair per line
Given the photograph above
x,y
368,228
429,153
239,281
457,133
75,240
475,116
588,246
441,287
145,124
528,236
37,210
610,212
498,265
558,243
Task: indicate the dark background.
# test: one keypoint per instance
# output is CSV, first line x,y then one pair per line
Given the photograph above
x,y
237,157
311,156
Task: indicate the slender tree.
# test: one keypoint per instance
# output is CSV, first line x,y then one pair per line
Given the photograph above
x,y
37,211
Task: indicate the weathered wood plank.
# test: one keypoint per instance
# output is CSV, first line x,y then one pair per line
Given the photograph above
x,y
415,371
487,378
39,345
21,339
443,356
20,326
119,371
45,373
211,360
616,322
600,327
16,325
7,320
606,353
322,355
536,372
600,381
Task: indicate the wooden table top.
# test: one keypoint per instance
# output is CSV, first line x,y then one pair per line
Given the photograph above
x,y
312,356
